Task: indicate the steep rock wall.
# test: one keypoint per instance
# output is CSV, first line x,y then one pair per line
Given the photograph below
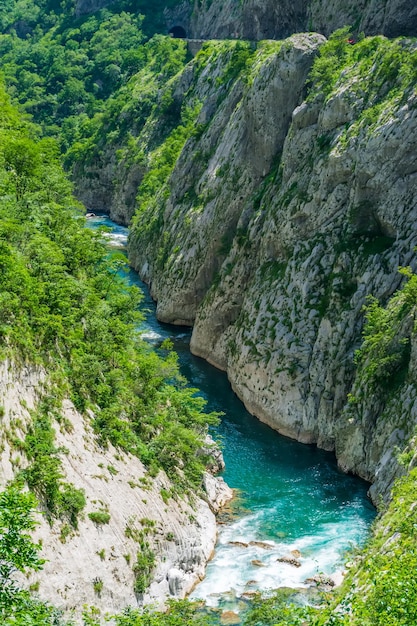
x,y
264,19
252,19
291,224
181,534
272,19
370,16
245,122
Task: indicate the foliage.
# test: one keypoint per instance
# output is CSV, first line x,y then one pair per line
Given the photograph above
x,y
43,474
64,302
385,349
73,68
143,567
63,69
332,57
381,75
99,517
18,553
123,116
240,56
180,613
98,586
17,550
275,610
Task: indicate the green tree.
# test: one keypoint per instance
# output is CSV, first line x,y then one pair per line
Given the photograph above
x,y
18,553
17,550
22,160
180,613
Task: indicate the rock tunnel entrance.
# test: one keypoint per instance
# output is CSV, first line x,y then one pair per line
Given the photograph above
x,y
178,32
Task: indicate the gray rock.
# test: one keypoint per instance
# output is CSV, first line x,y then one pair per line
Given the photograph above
x,y
275,264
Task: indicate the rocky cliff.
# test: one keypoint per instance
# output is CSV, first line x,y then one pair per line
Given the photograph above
x,y
281,215
264,19
272,19
94,563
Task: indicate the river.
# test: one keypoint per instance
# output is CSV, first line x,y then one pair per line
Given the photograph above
x,y
290,495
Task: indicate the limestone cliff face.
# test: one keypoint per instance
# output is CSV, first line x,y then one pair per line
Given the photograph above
x,y
245,122
335,229
370,16
263,19
181,535
97,189
252,19
275,19
277,223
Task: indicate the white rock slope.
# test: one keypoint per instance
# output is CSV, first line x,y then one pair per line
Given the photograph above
x,y
94,564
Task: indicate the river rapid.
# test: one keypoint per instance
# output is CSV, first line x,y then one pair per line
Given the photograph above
x,y
292,501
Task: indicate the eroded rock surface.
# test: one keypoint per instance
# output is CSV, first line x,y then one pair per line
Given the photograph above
x,y
182,535
272,19
279,220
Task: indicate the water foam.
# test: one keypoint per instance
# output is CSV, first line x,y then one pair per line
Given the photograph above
x,y
236,569
116,240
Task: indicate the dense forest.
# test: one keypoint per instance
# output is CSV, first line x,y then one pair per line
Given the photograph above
x,y
65,308
71,87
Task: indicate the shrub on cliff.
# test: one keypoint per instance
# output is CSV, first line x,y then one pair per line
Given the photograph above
x,y
64,304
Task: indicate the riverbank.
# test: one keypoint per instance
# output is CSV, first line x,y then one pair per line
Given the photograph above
x,y
292,496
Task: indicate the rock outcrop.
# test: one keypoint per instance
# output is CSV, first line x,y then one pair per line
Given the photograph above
x,y
94,564
278,221
253,19
269,19
272,19
214,177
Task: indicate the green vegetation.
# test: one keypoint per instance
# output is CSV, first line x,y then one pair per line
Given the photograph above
x,y
143,567
276,610
65,307
380,589
43,474
18,553
119,122
63,303
381,75
180,613
99,517
62,68
98,586
333,56
385,351
64,75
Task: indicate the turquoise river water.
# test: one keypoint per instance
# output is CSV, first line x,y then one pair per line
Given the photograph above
x,y
291,496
